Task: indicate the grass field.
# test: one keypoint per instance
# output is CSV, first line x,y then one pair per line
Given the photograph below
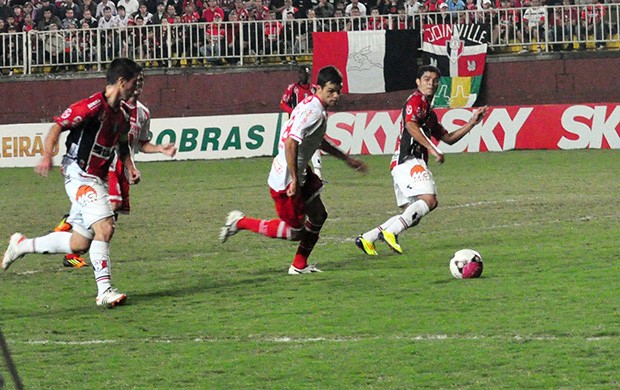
x,y
544,314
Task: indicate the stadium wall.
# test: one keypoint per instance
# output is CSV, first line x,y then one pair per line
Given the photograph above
x,y
559,80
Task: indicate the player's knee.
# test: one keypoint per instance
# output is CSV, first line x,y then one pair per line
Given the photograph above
x,y
104,230
319,218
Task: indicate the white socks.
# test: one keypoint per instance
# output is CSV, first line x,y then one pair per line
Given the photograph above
x,y
56,242
399,223
409,218
100,259
373,235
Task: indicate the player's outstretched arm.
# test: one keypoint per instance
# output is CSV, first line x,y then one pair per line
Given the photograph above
x,y
169,149
51,144
476,118
354,163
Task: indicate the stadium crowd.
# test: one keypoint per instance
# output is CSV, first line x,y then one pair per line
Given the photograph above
x,y
74,29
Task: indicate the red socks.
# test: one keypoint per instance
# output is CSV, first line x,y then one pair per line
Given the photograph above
x,y
274,228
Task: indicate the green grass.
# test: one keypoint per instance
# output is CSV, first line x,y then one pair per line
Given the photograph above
x,y
544,314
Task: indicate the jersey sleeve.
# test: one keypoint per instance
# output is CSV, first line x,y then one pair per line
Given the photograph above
x,y
302,120
285,101
78,112
414,111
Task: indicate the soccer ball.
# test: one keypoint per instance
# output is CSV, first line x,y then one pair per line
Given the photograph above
x,y
466,264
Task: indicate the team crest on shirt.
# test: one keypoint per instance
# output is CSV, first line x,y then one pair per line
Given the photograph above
x,y
66,114
86,195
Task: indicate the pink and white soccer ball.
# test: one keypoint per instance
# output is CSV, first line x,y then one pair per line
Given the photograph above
x,y
466,264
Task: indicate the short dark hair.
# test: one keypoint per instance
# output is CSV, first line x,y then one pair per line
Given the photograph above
x,y
427,68
329,74
122,67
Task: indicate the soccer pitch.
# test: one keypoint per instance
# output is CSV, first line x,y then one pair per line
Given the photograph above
x,y
205,315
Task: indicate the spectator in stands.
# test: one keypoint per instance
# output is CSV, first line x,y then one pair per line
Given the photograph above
x,y
455,5
509,25
376,21
3,28
48,19
289,11
190,15
160,13
273,35
431,6
70,5
177,4
10,22
412,8
131,6
28,9
102,5
18,12
140,40
403,22
122,18
89,19
277,6
53,45
144,13
339,23
324,9
360,7
171,13
233,42
69,19
239,8
210,10
593,24
534,25
258,10
52,7
86,43
563,25
5,10
107,20
91,6
27,23
388,7
216,40
356,22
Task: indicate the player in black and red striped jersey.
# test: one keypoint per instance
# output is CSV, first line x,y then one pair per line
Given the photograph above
x,y
294,94
414,186
98,126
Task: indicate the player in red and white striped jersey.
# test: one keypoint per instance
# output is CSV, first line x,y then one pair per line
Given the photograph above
x,y
294,94
294,188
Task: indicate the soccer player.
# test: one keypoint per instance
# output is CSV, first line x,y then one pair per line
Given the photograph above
x,y
97,126
294,188
139,140
414,186
294,94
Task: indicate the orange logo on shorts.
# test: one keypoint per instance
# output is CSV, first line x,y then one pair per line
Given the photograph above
x,y
417,169
86,195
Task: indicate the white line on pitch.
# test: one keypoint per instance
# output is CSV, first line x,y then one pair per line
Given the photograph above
x,y
286,339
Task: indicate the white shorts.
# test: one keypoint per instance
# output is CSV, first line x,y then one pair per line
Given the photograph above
x,y
412,178
90,200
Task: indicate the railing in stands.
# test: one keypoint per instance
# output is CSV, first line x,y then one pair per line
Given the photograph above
x,y
254,42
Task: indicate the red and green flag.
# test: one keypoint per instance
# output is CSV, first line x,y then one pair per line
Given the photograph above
x,y
459,51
